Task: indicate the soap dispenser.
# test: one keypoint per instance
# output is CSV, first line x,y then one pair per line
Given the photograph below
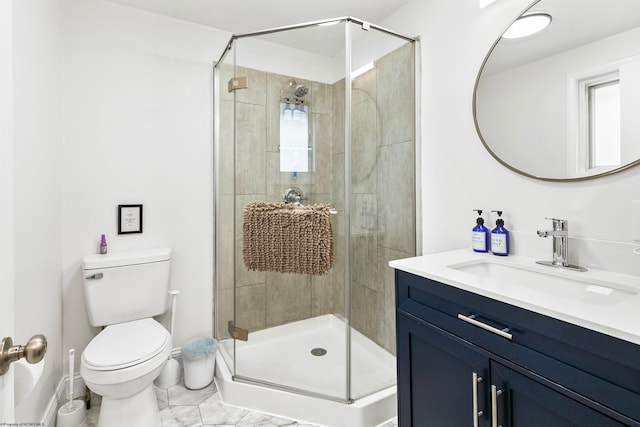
x,y
480,234
500,237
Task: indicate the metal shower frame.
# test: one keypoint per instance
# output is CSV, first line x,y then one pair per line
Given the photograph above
x,y
347,145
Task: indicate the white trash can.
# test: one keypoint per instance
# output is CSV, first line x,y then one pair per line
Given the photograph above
x,y
198,357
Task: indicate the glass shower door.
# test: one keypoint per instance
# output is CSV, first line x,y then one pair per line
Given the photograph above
x,y
382,197
327,119
281,146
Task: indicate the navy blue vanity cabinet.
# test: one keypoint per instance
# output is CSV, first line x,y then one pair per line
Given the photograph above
x,y
465,360
435,373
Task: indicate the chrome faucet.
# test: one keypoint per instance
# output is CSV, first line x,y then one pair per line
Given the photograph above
x,y
560,234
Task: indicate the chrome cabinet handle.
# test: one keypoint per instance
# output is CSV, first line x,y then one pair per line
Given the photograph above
x,y
476,412
95,276
494,405
472,320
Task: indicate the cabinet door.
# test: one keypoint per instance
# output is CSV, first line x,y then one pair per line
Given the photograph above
x,y
442,380
522,401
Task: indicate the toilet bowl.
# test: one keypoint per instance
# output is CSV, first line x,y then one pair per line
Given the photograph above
x,y
120,364
123,292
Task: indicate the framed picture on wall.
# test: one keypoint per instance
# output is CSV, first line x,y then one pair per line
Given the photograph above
x,y
129,219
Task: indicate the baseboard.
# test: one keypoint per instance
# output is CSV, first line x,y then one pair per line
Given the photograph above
x,y
61,396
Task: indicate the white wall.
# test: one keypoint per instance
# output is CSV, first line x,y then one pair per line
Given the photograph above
x,y
6,196
37,179
138,126
459,175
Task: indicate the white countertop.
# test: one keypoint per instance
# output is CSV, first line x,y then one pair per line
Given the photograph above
x,y
616,314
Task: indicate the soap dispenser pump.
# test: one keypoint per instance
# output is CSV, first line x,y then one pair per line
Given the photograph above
x,y
500,237
480,234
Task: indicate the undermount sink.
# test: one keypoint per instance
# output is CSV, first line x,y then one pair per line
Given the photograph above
x,y
530,282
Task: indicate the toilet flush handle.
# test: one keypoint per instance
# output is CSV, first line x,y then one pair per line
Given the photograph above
x,y
33,351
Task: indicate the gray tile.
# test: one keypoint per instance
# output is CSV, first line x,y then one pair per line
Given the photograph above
x,y
226,148
180,395
395,95
251,307
363,88
321,98
162,396
256,92
251,142
92,416
364,147
396,201
213,411
181,416
257,419
288,298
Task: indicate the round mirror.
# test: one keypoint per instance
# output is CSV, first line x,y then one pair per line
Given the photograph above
x,y
562,104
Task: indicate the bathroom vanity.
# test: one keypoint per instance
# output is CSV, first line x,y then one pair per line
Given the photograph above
x,y
484,342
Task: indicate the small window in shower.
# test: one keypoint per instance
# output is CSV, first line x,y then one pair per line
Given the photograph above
x,y
294,136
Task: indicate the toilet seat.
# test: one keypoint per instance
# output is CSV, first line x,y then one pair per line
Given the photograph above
x,y
126,344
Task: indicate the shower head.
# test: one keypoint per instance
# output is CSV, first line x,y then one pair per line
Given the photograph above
x,y
299,90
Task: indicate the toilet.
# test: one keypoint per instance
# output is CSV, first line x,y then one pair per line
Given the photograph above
x,y
123,291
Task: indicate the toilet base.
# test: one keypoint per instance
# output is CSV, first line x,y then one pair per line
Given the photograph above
x,y
140,410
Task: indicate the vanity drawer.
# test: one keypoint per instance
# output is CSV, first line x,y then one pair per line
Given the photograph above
x,y
595,365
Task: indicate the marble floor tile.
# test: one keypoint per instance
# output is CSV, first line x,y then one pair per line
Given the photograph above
x,y
181,395
255,419
181,416
181,407
214,412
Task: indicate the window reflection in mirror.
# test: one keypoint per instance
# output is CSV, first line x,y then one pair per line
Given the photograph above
x,y
604,124
531,107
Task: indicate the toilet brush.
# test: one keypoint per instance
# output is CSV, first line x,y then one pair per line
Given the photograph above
x,y
170,374
73,413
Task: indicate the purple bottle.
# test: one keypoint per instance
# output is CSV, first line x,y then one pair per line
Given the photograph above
x,y
103,245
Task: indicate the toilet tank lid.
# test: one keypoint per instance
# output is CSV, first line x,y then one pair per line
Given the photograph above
x,y
121,259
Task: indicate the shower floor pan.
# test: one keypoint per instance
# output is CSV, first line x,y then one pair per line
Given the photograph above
x,y
293,356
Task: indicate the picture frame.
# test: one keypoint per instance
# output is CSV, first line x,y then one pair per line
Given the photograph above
x,y
129,219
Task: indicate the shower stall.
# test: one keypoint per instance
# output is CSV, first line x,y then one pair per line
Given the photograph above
x,y
316,113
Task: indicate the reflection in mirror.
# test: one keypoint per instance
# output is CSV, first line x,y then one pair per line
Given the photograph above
x,y
561,104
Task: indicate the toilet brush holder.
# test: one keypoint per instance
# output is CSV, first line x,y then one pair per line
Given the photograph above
x,y
171,372
72,414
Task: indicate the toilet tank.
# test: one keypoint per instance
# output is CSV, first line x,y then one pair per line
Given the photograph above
x,y
125,286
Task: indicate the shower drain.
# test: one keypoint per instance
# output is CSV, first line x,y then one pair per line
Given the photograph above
x,y
318,351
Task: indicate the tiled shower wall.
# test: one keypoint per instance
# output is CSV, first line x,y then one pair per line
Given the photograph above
x,y
382,199
266,299
383,189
